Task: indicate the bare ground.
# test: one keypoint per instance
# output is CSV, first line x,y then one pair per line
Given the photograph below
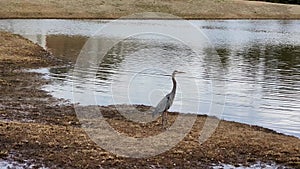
x,y
192,9
36,128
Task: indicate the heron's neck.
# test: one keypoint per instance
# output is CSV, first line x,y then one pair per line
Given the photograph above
x,y
174,85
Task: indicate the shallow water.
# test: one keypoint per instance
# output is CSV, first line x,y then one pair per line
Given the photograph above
x,y
259,66
9,164
257,165
29,165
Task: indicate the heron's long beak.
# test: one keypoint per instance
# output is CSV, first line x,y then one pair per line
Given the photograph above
x,y
180,72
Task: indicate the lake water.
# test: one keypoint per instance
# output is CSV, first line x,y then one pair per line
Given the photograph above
x,y
257,68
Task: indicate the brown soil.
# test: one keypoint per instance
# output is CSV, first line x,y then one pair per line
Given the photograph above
x,y
39,129
192,9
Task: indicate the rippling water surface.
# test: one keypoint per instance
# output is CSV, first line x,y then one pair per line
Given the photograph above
x,y
259,66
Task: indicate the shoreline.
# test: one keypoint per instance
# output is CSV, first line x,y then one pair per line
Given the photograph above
x,y
39,128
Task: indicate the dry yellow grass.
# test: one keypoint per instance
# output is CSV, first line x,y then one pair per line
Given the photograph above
x,y
14,48
69,146
202,9
16,51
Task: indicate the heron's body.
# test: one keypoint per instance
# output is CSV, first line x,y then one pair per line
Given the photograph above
x,y
166,102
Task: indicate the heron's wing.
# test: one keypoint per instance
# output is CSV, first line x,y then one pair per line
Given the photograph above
x,y
161,106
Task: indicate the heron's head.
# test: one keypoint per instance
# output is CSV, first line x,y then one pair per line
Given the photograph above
x,y
176,72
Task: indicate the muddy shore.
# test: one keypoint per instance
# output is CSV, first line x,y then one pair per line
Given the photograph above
x,y
105,9
36,128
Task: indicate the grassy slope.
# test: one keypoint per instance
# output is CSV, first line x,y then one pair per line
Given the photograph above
x,y
114,9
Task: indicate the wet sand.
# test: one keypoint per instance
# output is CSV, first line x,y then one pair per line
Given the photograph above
x,y
105,9
35,126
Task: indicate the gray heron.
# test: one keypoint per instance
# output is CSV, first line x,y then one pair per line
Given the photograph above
x,y
166,102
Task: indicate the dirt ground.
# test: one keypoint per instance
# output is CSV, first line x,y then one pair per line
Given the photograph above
x,y
192,9
37,129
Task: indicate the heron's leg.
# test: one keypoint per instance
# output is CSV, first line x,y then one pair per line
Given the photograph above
x,y
166,118
163,119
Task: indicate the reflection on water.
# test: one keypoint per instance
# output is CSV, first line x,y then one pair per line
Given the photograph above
x,y
64,46
260,63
